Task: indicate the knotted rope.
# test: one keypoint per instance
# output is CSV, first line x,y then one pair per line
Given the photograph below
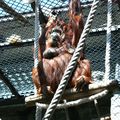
x,y
71,65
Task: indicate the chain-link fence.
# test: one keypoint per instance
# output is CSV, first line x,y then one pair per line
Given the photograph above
x,y
16,60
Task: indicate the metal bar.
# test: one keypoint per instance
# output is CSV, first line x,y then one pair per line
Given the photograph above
x,y
24,43
108,41
8,83
9,10
36,41
97,107
38,115
28,42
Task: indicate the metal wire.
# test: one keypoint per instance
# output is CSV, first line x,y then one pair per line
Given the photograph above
x,y
108,41
71,65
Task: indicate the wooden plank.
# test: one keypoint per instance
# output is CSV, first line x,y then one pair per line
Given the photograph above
x,y
72,94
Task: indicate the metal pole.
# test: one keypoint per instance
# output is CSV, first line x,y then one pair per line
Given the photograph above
x,y
108,41
36,41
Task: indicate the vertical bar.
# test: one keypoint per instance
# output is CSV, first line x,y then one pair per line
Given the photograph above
x,y
97,108
66,111
38,115
108,41
36,41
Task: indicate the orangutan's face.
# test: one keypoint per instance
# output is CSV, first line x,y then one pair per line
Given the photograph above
x,y
55,37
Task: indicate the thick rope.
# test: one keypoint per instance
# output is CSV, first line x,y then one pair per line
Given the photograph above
x,y
36,41
71,65
108,41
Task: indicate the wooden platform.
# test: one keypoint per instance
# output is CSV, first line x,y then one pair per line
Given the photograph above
x,y
94,90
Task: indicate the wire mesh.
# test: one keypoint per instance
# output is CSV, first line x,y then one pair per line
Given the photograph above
x,y
17,64
16,60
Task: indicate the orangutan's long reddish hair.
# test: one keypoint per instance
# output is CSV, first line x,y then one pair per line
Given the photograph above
x,y
51,69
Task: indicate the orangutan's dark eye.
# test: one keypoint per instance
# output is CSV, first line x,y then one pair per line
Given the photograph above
x,y
57,31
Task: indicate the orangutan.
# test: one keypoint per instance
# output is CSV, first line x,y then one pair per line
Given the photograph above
x,y
57,44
